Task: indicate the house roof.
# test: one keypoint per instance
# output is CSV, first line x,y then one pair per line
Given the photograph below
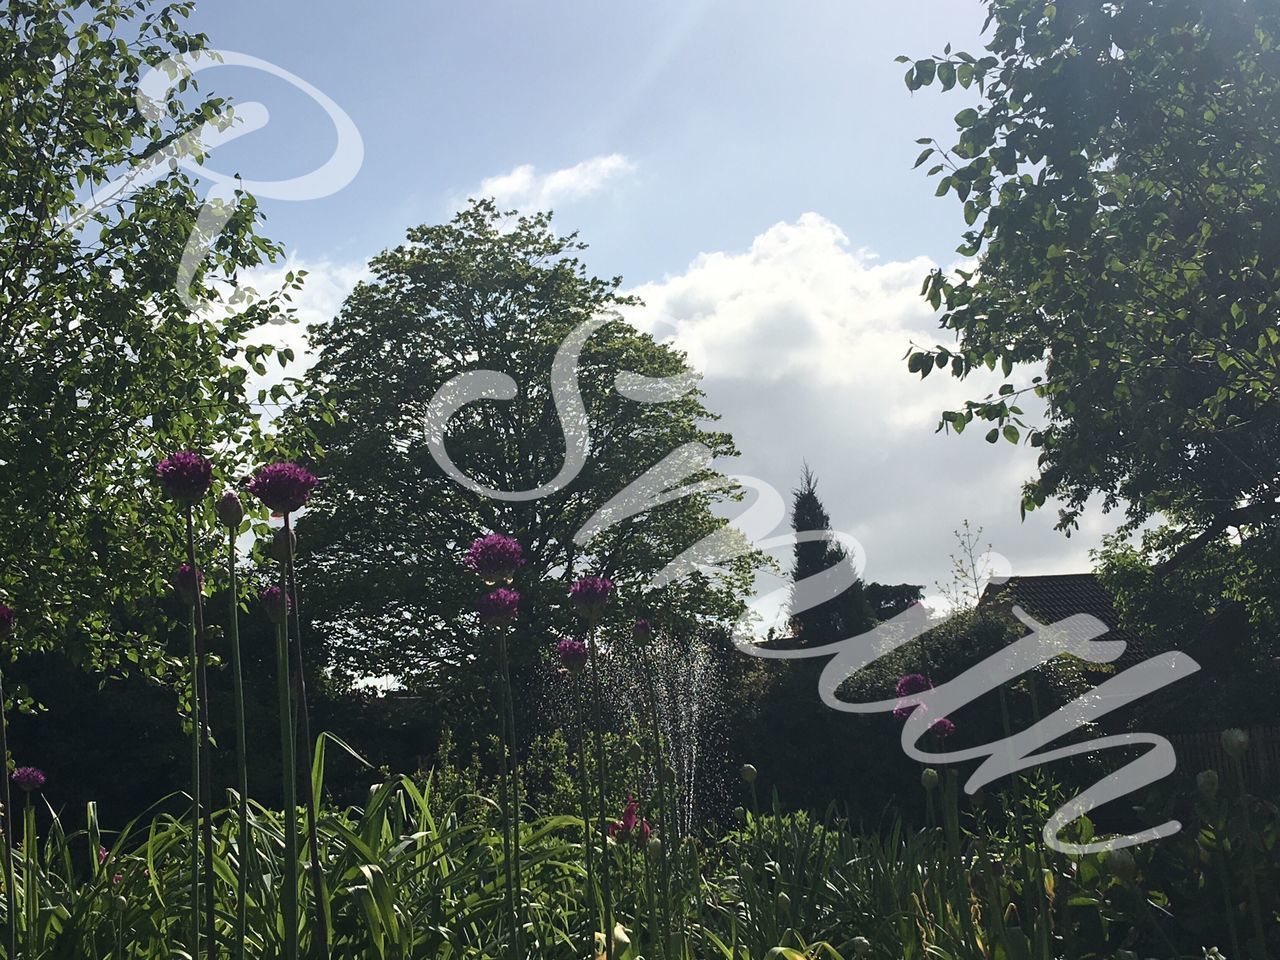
x,y
1056,597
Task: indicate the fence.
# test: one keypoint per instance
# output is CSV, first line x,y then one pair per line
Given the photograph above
x,y
1203,751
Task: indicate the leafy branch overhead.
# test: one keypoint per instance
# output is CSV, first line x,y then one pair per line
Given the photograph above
x,y
1120,178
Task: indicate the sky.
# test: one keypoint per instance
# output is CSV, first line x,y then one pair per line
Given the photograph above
x,y
745,166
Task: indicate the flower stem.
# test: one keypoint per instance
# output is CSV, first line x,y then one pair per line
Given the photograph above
x,y
597,703
510,738
194,932
242,751
204,793
290,814
31,895
504,801
304,732
6,849
588,844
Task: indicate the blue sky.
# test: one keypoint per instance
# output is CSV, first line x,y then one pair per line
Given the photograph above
x,y
745,166
736,114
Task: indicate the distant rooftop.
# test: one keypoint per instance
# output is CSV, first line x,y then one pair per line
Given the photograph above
x,y
1056,597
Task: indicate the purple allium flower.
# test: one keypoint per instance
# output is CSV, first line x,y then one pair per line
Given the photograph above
x,y
187,582
573,654
500,606
229,509
913,683
8,620
943,727
276,603
589,596
902,711
186,476
642,629
495,558
283,487
28,778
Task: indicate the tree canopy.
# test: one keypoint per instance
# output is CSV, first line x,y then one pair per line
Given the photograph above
x,y
105,369
1121,179
382,541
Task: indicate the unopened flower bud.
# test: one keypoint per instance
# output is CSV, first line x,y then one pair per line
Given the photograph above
x,y
929,778
784,901
1207,783
748,773
230,510
635,752
740,814
282,546
1235,742
654,846
861,946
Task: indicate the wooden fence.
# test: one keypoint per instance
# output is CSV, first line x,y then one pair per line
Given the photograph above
x,y
1203,751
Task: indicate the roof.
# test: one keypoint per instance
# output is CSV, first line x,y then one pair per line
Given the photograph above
x,y
1056,597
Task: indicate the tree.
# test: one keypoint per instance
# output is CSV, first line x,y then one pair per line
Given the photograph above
x,y
382,541
824,560
1121,180
104,369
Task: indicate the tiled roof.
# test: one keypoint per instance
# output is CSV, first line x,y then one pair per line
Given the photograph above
x,y
1053,598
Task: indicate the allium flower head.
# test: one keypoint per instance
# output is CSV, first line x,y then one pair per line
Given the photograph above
x,y
942,727
185,476
229,509
495,558
187,582
642,629
28,778
928,778
1207,783
500,606
913,683
8,620
276,603
573,654
590,595
283,487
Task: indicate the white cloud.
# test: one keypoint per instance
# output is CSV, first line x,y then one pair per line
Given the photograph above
x,y
802,340
525,188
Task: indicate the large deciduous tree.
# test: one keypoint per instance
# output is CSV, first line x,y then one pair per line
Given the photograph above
x,y
383,539
103,367
1121,179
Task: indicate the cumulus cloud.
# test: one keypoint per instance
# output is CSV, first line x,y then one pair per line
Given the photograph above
x,y
801,338
526,188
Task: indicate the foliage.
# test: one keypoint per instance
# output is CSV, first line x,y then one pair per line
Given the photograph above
x,y
412,875
1121,181
847,613
380,547
105,368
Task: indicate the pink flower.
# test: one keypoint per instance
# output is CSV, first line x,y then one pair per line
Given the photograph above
x,y
573,654
495,558
276,603
499,607
185,476
283,487
913,683
187,583
590,595
943,727
28,778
